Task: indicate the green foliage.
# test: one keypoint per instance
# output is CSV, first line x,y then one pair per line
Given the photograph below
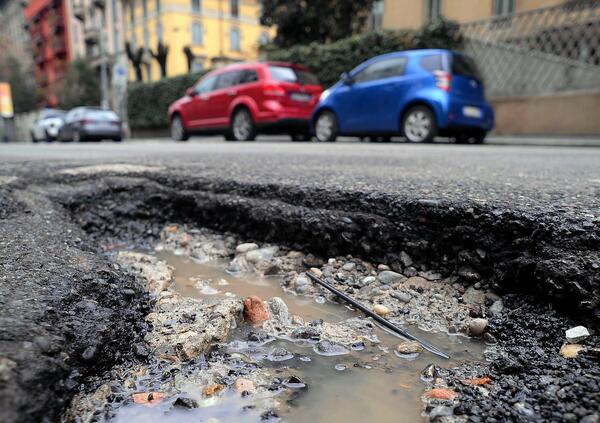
x,y
147,102
301,21
81,86
328,61
22,85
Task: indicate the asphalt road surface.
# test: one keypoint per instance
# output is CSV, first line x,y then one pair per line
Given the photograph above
x,y
543,180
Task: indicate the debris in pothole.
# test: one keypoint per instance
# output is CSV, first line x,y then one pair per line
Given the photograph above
x,y
577,334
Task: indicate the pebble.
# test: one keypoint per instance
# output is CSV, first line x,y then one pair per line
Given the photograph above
x,y
349,267
185,402
576,334
405,259
440,411
388,276
496,308
381,310
244,385
570,350
212,389
431,276
477,326
409,347
316,272
401,296
383,267
262,254
441,393
368,280
255,310
246,247
89,353
410,271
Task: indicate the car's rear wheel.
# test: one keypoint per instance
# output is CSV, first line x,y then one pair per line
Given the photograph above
x,y
418,124
242,126
178,132
326,127
301,136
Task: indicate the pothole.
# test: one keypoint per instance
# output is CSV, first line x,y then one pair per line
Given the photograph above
x,y
313,359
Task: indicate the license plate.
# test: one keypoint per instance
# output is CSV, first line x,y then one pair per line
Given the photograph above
x,y
472,112
301,97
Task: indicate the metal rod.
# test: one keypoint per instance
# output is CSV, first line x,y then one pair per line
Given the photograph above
x,y
431,348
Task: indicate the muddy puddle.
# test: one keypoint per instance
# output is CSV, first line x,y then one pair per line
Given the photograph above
x,y
363,383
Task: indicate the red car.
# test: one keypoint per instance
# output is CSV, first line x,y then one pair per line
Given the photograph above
x,y
242,100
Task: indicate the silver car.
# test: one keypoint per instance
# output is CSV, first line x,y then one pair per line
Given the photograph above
x,y
91,123
47,126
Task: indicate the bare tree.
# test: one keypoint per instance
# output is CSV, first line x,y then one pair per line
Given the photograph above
x,y
162,51
136,58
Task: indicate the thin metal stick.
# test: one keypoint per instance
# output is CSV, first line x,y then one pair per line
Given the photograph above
x,y
431,348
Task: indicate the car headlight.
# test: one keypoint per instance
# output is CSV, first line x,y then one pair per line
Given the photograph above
x,y
324,95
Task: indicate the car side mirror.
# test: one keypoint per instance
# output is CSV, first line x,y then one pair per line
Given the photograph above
x,y
346,78
191,92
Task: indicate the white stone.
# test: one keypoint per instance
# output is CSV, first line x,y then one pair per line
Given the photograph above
x,y
576,334
244,248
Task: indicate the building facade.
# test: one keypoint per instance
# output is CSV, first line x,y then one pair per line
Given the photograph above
x,y
14,37
199,34
48,24
403,14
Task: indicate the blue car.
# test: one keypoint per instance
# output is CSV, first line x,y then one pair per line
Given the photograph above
x,y
419,94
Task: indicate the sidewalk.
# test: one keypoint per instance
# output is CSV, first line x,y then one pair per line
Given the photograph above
x,y
544,140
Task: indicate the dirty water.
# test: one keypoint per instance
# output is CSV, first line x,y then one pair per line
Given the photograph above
x,y
365,383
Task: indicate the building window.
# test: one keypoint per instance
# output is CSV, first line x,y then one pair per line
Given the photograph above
x,y
196,6
160,31
376,21
157,6
235,8
503,7
197,35
145,8
234,38
433,10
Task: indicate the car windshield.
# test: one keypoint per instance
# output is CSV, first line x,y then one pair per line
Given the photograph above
x,y
287,74
47,114
465,66
102,115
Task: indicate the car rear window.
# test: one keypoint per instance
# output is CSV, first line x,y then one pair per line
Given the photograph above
x,y
432,63
102,115
465,66
287,74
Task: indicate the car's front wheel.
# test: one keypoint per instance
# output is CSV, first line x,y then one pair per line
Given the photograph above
x,y
326,127
418,124
242,126
178,132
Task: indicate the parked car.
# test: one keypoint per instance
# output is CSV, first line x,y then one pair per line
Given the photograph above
x,y
418,94
47,125
245,99
91,123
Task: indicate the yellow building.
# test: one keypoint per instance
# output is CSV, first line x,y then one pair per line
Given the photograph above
x,y
215,31
402,14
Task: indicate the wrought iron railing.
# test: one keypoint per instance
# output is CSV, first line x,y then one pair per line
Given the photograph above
x,y
541,51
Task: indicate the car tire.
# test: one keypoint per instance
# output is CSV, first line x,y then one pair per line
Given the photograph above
x,y
242,126
419,125
480,138
118,139
301,136
177,129
326,127
33,138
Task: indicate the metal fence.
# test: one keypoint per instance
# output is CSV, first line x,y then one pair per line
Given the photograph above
x,y
542,51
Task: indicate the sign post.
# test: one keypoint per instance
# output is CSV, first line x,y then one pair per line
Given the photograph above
x,y
6,111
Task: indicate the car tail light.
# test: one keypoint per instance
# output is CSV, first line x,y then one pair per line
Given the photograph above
x,y
274,91
443,80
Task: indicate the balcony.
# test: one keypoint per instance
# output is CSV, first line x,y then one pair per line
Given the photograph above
x,y
79,11
91,35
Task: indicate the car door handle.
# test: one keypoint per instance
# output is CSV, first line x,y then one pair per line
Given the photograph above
x,y
231,93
